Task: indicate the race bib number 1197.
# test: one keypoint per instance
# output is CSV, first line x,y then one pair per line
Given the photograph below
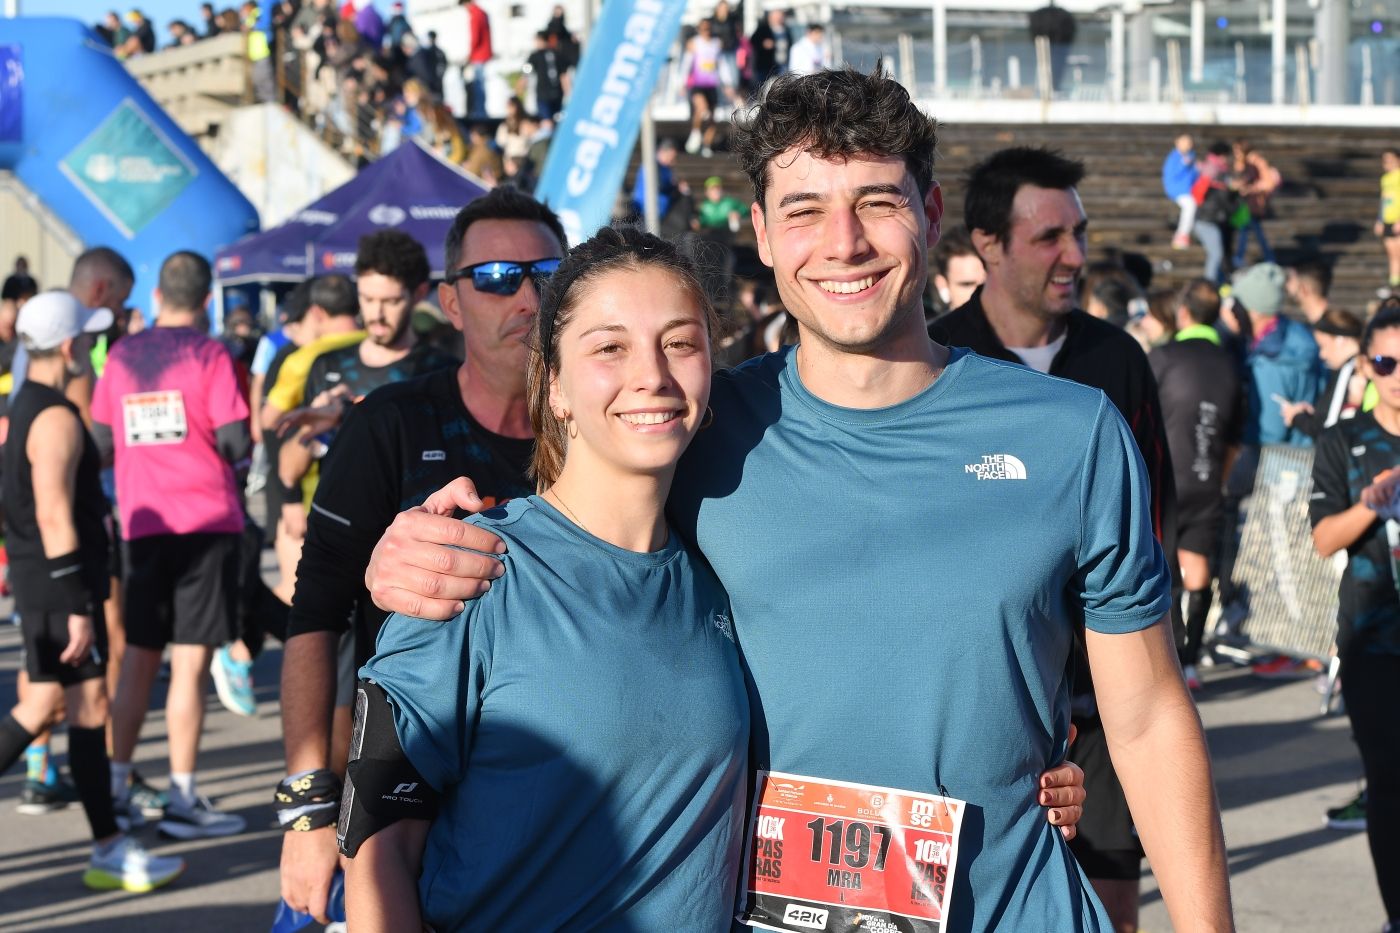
x,y
834,856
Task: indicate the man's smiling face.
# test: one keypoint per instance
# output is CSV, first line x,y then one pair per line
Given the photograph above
x,y
848,240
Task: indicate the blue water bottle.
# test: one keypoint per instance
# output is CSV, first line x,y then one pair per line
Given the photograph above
x,y
288,920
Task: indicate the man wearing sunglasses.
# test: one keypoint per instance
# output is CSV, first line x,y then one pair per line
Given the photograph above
x,y
401,443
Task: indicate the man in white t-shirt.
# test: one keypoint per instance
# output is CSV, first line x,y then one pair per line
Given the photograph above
x,y
810,53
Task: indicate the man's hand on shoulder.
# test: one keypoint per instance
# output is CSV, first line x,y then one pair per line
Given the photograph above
x,y
419,567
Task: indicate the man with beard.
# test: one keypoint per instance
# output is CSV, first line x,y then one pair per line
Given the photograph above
x,y
391,277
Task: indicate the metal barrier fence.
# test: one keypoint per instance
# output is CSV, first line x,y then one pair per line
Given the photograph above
x,y
1289,593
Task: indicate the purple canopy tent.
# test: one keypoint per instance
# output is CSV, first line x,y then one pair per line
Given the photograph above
x,y
410,189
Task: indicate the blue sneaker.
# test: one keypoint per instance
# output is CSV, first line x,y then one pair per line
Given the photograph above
x,y
234,682
145,798
39,798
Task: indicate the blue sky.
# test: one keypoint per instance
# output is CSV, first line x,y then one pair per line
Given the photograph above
x,y
161,12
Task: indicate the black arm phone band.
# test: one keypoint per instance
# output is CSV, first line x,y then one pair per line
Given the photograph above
x,y
381,784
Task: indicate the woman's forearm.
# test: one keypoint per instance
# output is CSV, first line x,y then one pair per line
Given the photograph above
x,y
380,897
381,881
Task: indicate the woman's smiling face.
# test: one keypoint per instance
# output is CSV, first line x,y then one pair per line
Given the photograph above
x,y
634,370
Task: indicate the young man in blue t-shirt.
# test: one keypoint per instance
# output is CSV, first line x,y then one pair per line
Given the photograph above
x,y
919,635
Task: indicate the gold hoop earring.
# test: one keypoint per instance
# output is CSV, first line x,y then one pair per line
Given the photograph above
x,y
708,420
571,428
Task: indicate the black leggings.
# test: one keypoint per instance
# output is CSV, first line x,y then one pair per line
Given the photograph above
x,y
1371,688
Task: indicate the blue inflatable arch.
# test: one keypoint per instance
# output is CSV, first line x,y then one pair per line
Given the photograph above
x,y
81,133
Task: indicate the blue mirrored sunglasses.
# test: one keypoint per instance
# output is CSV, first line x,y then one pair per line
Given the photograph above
x,y
502,277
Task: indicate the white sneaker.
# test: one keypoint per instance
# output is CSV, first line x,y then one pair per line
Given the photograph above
x,y
692,142
199,821
126,866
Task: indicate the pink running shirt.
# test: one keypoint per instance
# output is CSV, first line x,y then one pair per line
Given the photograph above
x,y
164,393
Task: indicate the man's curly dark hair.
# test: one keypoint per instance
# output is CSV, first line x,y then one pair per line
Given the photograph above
x,y
840,113
395,254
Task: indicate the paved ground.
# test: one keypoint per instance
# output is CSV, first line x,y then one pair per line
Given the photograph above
x,y
1278,766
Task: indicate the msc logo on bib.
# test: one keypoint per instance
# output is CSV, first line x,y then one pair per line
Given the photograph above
x,y
804,916
922,812
997,466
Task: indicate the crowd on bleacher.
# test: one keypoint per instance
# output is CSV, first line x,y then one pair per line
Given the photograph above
x,y
1224,198
371,80
133,33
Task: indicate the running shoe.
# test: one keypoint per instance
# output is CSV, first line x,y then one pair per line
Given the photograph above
x,y
39,798
1284,668
1193,679
127,814
1350,815
200,821
1181,242
233,680
145,798
692,142
126,866
1232,617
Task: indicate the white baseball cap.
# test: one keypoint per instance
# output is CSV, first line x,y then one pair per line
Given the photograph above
x,y
49,318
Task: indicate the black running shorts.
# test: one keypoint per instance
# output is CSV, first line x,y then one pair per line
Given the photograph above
x,y
181,589
1198,523
45,633
1106,846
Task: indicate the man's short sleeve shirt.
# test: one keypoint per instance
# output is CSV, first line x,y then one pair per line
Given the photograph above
x,y
164,393
287,392
907,584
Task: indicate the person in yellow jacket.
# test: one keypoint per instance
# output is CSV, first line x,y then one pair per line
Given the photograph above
x,y
260,52
1388,219
330,323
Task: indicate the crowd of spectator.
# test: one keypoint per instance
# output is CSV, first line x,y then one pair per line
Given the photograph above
x,y
369,81
1223,198
134,34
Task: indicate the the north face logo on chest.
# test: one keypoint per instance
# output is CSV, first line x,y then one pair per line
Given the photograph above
x,y
997,466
